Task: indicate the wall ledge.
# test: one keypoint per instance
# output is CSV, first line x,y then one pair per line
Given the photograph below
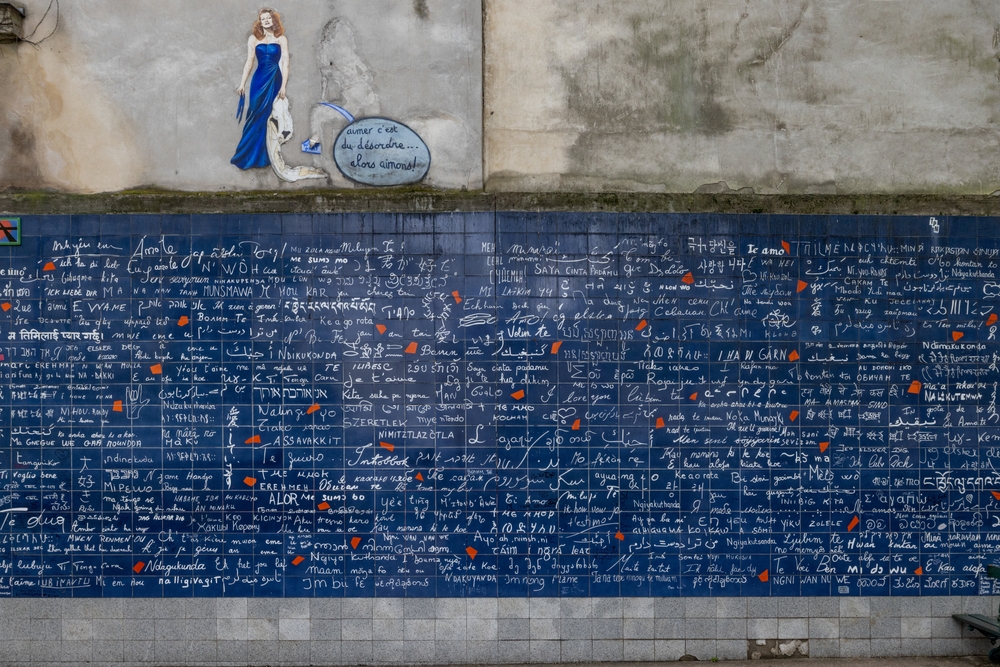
x,y
432,201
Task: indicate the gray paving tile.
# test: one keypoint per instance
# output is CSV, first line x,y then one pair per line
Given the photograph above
x,y
731,608
450,652
293,653
293,629
450,629
793,608
824,648
327,608
231,608
228,652
543,629
700,628
731,649
385,629
356,629
641,628
855,628
762,608
483,652
886,648
700,608
544,608
639,650
514,652
824,628
516,629
703,649
512,608
262,629
609,650
794,628
109,651
418,628
293,608
544,651
355,652
482,629
231,629
608,628
855,648
668,650
577,650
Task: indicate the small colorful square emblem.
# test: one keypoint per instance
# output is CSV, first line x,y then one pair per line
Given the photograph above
x,y
10,231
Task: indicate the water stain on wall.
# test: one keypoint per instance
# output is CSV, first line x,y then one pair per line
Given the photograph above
x,y
44,145
421,10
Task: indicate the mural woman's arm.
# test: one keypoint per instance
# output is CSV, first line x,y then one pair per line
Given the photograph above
x,y
283,65
246,68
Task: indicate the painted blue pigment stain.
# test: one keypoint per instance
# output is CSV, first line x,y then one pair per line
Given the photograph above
x,y
499,405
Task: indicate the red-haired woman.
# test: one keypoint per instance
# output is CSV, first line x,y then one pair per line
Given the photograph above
x,y
269,46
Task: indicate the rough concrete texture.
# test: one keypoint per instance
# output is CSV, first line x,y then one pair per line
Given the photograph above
x,y
784,96
143,93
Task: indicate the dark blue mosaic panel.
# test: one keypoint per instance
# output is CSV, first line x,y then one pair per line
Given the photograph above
x,y
499,405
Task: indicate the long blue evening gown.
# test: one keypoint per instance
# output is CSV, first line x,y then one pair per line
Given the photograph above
x,y
264,87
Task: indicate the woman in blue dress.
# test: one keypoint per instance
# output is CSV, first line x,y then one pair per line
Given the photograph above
x,y
269,46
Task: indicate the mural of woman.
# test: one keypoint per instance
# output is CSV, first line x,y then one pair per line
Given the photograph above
x,y
269,46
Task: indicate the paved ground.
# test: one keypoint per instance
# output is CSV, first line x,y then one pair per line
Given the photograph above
x,y
969,661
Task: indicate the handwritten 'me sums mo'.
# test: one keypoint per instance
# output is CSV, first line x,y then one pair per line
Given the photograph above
x,y
268,123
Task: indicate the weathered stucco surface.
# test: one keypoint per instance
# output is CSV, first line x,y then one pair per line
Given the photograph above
x,y
142,94
783,96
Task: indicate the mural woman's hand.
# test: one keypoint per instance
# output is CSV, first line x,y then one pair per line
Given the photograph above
x,y
240,91
281,93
